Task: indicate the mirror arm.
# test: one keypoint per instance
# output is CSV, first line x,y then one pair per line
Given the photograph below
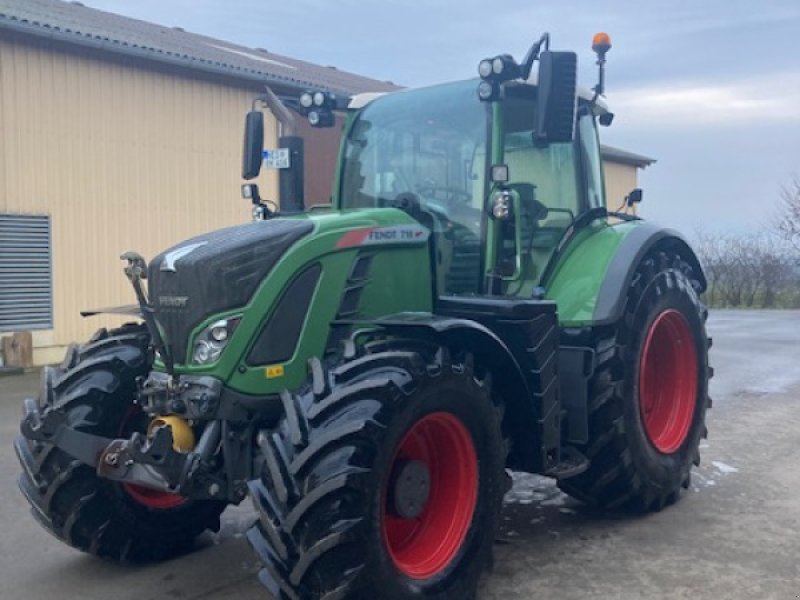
x,y
281,112
533,54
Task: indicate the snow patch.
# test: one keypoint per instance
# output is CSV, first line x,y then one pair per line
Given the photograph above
x,y
527,488
723,468
558,500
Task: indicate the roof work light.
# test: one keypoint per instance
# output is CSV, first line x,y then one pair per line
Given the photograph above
x,y
494,72
500,68
318,107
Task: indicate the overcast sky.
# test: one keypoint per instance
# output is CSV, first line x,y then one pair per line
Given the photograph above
x,y
710,88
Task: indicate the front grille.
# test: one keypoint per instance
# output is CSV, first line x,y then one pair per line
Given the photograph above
x,y
215,272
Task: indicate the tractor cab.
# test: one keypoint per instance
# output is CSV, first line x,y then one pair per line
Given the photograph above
x,y
496,195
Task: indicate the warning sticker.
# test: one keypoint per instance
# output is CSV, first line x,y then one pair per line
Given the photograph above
x,y
394,234
273,371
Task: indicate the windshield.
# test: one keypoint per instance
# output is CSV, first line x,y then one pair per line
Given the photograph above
x,y
427,147
429,142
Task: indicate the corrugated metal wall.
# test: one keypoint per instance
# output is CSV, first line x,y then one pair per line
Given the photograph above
x,y
121,157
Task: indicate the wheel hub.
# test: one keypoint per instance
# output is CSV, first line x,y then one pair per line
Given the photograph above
x,y
430,496
411,488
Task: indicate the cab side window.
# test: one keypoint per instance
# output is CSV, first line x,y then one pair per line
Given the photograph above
x,y
590,159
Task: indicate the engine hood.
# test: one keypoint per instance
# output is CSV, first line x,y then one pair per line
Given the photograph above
x,y
215,272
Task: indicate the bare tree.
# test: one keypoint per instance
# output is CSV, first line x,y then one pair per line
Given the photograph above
x,y
788,220
711,251
747,270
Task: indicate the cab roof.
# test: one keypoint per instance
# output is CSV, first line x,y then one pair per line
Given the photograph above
x,y
359,101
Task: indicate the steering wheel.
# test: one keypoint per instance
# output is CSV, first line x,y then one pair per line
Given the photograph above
x,y
452,193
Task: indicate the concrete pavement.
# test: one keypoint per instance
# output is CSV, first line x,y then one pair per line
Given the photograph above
x,y
735,534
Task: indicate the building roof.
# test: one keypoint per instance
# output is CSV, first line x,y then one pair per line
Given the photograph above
x,y
74,23
618,155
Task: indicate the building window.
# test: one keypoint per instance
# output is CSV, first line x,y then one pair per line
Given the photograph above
x,y
26,274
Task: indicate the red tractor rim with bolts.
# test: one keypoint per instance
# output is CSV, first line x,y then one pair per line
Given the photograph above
x,y
423,546
668,381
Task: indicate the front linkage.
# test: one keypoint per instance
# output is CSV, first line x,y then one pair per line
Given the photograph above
x,y
166,458
155,460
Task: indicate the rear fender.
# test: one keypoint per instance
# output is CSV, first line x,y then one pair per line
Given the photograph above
x,y
590,283
645,238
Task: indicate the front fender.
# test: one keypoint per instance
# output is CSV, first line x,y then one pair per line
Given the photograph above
x,y
531,433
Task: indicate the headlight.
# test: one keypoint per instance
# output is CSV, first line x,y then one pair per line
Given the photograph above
x,y
209,343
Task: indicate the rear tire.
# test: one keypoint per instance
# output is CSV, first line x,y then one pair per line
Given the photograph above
x,y
649,395
96,386
328,528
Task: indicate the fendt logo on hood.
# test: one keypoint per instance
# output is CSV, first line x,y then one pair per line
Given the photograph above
x,y
170,258
394,234
173,301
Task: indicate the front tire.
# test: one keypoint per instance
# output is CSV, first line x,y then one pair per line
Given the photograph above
x,y
96,386
649,394
341,514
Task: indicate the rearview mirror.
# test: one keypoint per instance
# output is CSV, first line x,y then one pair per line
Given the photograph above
x,y
253,144
635,197
555,118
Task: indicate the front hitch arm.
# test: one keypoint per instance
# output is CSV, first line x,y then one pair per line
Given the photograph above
x,y
136,271
148,461
52,428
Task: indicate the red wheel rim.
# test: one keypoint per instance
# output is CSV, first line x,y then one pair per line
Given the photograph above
x,y
668,381
424,546
153,498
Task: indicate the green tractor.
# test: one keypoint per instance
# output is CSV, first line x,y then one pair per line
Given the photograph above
x,y
367,371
